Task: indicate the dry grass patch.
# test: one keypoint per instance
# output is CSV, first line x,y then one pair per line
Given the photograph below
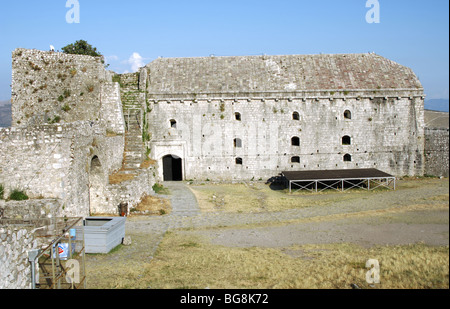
x,y
147,163
443,197
415,182
257,197
152,205
120,177
246,198
185,262
121,268
371,213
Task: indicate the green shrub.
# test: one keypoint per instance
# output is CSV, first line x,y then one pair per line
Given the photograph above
x,y
18,195
81,47
116,78
55,119
2,192
160,189
66,108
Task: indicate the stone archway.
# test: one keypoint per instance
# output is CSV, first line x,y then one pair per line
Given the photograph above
x,y
96,185
172,168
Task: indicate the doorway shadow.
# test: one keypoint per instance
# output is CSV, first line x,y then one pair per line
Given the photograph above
x,y
172,168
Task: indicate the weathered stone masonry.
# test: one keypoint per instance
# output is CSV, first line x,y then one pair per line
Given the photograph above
x,y
53,161
437,152
67,138
68,134
15,242
286,113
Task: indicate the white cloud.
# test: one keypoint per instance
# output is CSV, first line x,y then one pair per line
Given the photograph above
x,y
111,58
136,61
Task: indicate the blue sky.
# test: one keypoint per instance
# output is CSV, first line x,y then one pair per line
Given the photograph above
x,y
411,32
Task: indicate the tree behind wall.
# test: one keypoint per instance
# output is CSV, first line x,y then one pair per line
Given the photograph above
x,y
81,47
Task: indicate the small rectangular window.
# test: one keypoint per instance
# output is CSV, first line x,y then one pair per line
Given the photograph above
x,y
295,141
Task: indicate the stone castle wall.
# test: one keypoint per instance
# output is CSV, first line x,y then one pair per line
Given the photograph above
x,y
15,270
54,161
46,85
108,197
49,87
437,152
65,111
30,209
386,133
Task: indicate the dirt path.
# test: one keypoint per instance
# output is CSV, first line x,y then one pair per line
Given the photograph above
x,y
429,227
183,200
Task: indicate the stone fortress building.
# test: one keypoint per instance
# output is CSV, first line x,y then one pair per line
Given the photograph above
x,y
77,127
235,118
85,140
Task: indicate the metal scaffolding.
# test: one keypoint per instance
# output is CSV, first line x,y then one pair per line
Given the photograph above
x,y
59,263
339,180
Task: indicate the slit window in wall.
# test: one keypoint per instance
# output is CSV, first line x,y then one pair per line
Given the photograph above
x,y
295,159
295,116
238,161
347,158
348,114
95,163
295,141
346,140
237,143
173,123
237,116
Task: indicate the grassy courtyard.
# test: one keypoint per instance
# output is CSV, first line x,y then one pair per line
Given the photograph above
x,y
194,258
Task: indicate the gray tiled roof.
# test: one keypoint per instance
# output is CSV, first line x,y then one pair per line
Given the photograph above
x,y
278,74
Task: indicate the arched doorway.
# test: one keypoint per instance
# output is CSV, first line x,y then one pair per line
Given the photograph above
x,y
172,168
96,185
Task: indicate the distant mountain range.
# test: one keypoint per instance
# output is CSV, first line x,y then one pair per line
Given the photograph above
x,y
5,113
440,105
